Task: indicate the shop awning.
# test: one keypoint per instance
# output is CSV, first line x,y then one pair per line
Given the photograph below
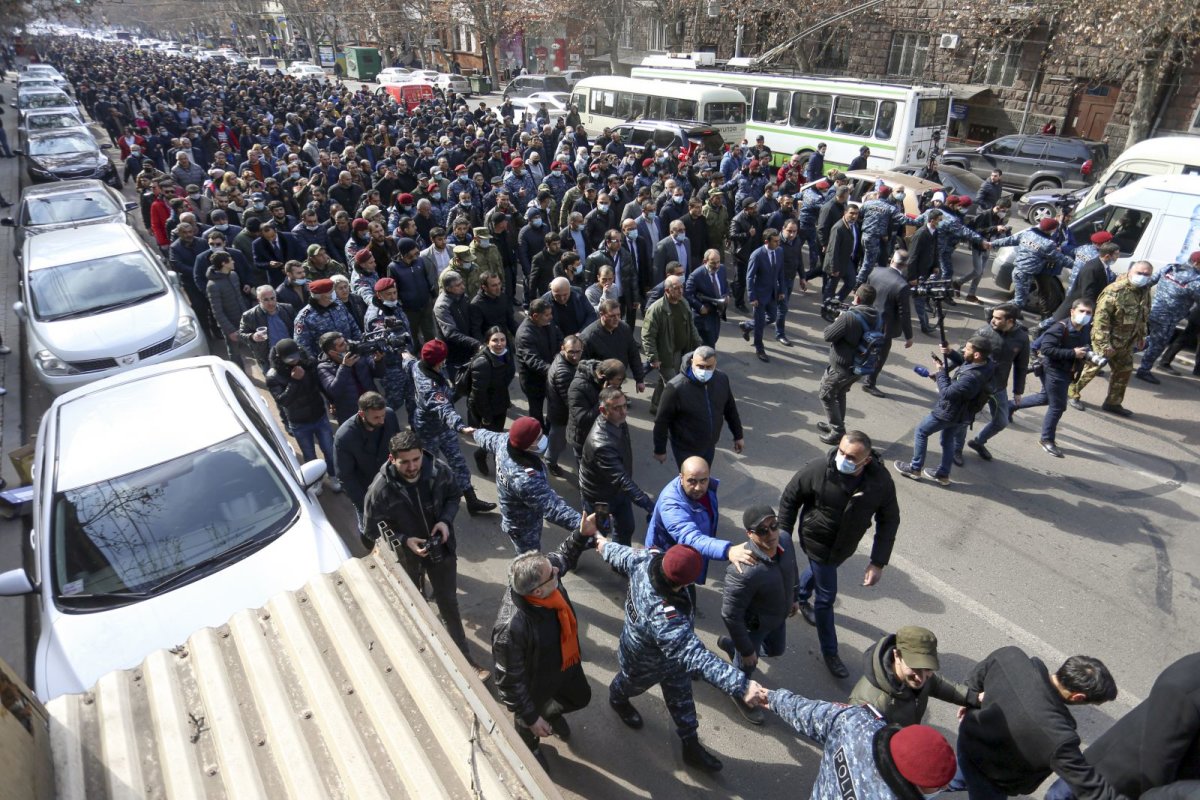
x,y
968,91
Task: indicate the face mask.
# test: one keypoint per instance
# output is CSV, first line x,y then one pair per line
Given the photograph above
x,y
701,374
680,238
1082,319
436,195
844,465
595,175
542,444
222,227
390,303
578,268
632,234
1139,280
299,281
312,227
678,198
538,223
556,173
653,170
603,206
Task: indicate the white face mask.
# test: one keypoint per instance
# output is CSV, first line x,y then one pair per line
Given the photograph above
x,y
1082,319
701,374
844,465
541,445
391,303
1139,280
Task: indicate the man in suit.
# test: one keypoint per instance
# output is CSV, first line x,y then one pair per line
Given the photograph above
x,y
572,237
764,288
673,247
842,252
707,292
642,257
922,261
892,293
649,226
273,249
1089,280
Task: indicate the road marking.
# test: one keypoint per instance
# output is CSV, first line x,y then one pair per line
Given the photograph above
x,y
1136,469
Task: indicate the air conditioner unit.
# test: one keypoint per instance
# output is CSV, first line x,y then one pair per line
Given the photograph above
x,y
948,41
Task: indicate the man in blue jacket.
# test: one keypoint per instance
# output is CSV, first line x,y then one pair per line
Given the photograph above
x,y
764,288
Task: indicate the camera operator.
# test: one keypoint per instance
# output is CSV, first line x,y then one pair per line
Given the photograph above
x,y
1062,349
415,498
844,336
345,374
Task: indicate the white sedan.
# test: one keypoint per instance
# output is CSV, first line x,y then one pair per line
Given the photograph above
x,y
447,82
305,70
394,75
556,103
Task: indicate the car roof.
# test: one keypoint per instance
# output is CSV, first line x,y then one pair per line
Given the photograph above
x,y
69,132
63,187
41,90
893,178
78,244
100,421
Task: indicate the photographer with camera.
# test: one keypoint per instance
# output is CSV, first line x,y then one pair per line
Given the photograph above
x,y
855,337
346,372
1062,352
412,504
959,399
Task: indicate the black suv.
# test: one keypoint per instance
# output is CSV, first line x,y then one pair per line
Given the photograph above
x,y
1032,162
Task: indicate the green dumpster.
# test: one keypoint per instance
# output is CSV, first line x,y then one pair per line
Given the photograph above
x,y
362,63
480,84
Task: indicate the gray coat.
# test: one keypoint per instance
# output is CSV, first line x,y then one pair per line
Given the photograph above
x,y
226,298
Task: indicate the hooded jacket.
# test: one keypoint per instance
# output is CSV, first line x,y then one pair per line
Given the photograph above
x,y
583,401
301,399
896,701
558,385
691,413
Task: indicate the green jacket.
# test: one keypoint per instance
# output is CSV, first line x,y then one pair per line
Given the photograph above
x,y
668,331
470,276
898,703
718,226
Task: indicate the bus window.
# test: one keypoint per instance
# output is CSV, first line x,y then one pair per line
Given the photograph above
x,y
675,108
604,103
810,110
656,108
637,106
887,119
854,115
724,113
770,105
624,99
932,112
580,101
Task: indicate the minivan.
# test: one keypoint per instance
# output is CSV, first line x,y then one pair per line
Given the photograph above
x,y
525,85
1166,155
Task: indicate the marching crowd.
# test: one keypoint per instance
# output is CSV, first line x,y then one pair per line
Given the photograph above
x,y
382,263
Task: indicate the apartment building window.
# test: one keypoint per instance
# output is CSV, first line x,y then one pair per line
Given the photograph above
x,y
658,37
907,55
464,39
999,65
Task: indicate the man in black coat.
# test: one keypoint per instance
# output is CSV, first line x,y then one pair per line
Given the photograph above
x,y
361,445
892,293
834,499
692,409
922,261
843,251
745,236
538,341
1155,744
606,469
491,308
610,337
1024,729
558,386
539,665
1089,281
583,397
278,319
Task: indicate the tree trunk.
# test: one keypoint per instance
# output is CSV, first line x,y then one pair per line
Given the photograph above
x,y
1142,113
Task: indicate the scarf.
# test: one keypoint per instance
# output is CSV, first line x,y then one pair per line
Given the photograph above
x,y
568,628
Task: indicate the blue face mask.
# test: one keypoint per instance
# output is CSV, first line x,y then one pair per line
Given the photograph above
x,y
538,223
845,465
702,375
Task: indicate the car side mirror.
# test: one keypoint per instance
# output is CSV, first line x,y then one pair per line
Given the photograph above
x,y
311,472
105,146
173,277
8,222
131,206
19,310
15,583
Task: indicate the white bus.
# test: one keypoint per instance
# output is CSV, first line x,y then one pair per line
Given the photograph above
x,y
606,101
899,123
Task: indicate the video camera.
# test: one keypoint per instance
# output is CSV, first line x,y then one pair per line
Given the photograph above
x,y
935,290
832,308
382,340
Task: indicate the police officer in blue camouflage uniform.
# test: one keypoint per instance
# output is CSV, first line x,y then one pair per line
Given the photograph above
x,y
436,421
385,313
864,757
950,232
1178,288
519,184
558,182
322,314
659,645
879,220
811,200
1036,252
463,183
521,485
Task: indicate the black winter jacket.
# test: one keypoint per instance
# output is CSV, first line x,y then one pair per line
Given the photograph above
x,y
525,642
360,453
691,413
536,348
301,399
606,469
833,513
1010,353
558,383
599,343
583,402
490,378
759,598
845,332
486,312
388,500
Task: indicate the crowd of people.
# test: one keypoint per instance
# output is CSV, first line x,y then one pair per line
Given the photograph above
x,y
396,269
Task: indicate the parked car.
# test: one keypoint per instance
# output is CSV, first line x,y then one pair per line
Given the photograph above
x,y
451,82
573,76
556,103
236,59
69,153
686,135
1034,161
41,100
36,122
66,204
960,181
136,550
1047,203
305,70
96,301
395,75
265,63
525,85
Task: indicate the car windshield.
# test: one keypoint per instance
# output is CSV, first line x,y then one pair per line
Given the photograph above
x,y
44,100
555,83
70,207
87,287
160,527
49,122
60,145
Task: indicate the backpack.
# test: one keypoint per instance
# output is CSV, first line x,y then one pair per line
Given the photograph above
x,y
866,355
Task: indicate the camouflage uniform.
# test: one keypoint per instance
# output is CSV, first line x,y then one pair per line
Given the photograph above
x,y
363,284
464,184
436,422
811,201
469,271
513,184
525,496
658,644
397,385
312,321
1178,288
558,187
1122,315
331,269
879,219
847,734
1036,253
950,232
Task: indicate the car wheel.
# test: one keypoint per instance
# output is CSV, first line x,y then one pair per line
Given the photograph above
x,y
1039,211
1044,184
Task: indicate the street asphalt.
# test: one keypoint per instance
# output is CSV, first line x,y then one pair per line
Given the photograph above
x,y
1085,555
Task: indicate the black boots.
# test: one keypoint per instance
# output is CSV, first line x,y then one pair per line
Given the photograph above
x,y
694,755
475,505
481,461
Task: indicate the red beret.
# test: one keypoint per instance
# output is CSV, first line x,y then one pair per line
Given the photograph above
x,y
965,201
383,284
524,433
461,168
922,756
1048,224
646,162
321,286
518,162
434,352
884,191
953,200
1194,257
556,165
682,565
1101,237
359,224
405,199
822,184
754,163
433,186
362,255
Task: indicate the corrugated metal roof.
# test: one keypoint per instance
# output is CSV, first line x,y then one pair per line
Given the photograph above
x,y
346,688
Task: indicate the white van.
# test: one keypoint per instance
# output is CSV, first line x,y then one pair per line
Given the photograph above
x,y
1154,219
1166,155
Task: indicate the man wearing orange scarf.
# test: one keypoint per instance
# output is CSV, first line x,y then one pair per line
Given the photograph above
x,y
535,642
